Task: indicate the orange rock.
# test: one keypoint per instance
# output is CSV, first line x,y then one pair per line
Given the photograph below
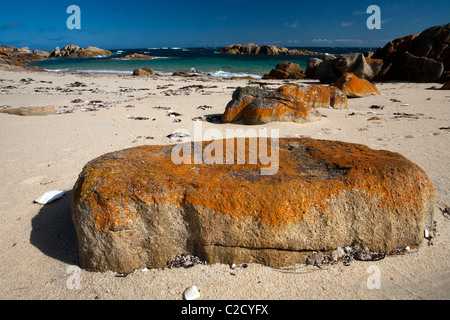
x,y
317,96
255,105
355,87
446,86
136,208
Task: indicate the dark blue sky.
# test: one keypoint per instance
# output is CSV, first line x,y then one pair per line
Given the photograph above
x,y
140,24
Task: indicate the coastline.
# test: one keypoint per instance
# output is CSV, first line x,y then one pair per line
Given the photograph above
x,y
42,153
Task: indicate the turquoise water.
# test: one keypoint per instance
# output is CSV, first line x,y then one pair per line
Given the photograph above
x,y
205,61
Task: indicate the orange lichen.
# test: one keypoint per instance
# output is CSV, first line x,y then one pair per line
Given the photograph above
x,y
355,87
311,172
317,96
258,106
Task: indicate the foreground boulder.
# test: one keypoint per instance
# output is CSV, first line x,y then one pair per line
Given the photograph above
x,y
317,96
135,208
256,105
355,87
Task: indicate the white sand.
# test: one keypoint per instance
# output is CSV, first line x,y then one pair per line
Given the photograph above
x,y
38,154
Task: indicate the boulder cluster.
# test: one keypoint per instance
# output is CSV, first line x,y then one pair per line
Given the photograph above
x,y
254,105
421,57
251,48
73,51
11,56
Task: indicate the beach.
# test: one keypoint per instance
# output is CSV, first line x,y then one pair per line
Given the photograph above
x,y
102,113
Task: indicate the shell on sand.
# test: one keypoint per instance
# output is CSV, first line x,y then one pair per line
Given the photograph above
x,y
50,196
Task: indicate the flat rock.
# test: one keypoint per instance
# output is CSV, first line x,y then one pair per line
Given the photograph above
x,y
136,208
255,105
30,111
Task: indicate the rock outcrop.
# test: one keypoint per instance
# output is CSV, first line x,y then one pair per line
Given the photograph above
x,y
286,70
408,67
326,72
355,87
317,96
251,48
331,68
137,56
19,56
421,57
255,105
143,72
136,208
356,63
432,44
73,51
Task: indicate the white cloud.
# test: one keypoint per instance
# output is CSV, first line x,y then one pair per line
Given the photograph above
x,y
346,24
359,12
291,25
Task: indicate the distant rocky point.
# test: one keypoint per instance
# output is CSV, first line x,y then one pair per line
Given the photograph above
x,y
251,48
12,57
137,56
73,51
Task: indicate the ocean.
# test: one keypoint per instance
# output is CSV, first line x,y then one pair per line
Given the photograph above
x,y
203,61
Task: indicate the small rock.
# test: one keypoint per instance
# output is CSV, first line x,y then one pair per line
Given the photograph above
x,y
191,293
316,259
337,254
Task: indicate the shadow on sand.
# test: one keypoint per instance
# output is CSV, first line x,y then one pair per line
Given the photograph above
x,y
53,231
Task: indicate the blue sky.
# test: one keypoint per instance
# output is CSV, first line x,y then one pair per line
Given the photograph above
x,y
140,24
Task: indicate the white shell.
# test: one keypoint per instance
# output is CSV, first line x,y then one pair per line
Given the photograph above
x,y
191,293
426,233
50,196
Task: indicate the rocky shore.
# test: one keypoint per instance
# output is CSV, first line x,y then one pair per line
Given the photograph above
x,y
423,57
251,48
11,57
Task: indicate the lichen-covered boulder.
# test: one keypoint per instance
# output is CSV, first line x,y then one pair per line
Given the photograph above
x,y
256,105
317,96
137,208
355,87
